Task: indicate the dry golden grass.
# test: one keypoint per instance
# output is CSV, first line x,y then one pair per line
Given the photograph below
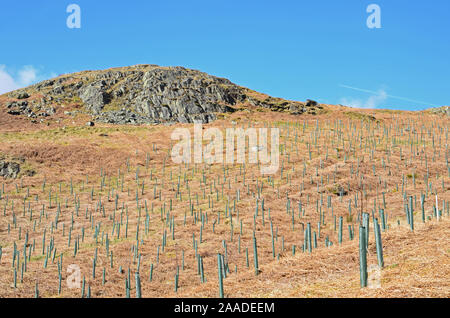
x,y
416,265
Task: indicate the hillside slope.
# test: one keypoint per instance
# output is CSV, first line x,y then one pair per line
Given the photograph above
x,y
416,265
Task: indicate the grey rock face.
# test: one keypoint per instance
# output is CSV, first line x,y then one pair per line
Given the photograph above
x,y
94,98
9,169
175,94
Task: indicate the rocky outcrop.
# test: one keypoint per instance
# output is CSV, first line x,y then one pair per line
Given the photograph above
x,y
23,108
444,110
144,94
19,94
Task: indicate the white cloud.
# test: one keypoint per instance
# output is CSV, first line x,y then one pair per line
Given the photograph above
x,y
26,76
7,83
372,102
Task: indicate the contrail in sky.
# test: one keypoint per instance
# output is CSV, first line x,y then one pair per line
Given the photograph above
x,y
390,96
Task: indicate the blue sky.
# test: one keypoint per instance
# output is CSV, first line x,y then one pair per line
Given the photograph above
x,y
296,49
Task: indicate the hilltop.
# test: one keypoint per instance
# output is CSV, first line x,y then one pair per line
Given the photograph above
x,y
142,94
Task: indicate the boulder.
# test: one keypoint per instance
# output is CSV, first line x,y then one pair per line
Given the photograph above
x,y
311,103
9,169
93,97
